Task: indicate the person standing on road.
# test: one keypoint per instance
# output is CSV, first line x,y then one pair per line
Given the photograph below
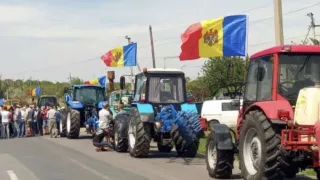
x,y
45,119
5,118
34,121
58,117
29,118
17,120
51,115
22,126
40,121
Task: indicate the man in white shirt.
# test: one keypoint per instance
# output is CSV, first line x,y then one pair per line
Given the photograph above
x,y
17,119
5,123
105,118
51,115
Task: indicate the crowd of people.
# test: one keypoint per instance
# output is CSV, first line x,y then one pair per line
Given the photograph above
x,y
28,120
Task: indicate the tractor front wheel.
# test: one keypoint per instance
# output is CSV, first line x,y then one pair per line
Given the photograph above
x,y
63,123
73,124
219,162
139,137
259,149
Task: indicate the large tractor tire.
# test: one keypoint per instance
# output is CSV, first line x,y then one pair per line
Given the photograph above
x,y
185,136
219,162
121,132
259,148
73,124
139,135
63,123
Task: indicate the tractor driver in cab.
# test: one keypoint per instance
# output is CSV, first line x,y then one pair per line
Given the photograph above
x,y
105,125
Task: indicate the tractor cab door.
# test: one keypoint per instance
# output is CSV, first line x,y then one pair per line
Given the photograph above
x,y
140,89
259,81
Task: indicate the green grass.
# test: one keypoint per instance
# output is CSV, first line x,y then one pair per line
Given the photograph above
x,y
202,151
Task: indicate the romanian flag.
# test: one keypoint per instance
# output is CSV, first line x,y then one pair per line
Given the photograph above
x,y
35,92
225,36
122,56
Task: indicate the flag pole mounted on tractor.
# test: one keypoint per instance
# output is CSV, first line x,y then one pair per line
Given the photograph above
x,y
131,68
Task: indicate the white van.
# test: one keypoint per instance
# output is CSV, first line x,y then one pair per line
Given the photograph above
x,y
221,111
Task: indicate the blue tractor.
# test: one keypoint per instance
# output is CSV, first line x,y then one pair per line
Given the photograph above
x,y
160,111
83,104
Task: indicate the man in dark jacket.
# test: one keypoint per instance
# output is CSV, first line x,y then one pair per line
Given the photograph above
x,y
40,121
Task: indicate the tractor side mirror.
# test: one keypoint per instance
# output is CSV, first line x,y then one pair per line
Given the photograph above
x,y
65,90
230,70
122,83
235,102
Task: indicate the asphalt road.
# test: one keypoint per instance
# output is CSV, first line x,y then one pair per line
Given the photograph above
x,y
43,158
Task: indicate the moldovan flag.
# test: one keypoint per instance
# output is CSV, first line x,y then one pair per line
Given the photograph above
x,y
225,36
97,81
122,56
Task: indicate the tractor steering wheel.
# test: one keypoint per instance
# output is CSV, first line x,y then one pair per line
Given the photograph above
x,y
283,88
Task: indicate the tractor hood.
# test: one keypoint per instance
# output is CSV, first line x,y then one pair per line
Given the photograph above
x,y
75,104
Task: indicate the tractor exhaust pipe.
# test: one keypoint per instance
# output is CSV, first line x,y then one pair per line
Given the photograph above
x,y
111,80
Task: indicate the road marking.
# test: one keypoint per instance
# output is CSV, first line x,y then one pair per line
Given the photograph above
x,y
12,175
90,169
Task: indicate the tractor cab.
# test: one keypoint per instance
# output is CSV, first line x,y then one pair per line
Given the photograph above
x,y
279,73
160,87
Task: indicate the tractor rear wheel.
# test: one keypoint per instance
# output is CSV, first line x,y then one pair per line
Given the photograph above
x,y
259,148
183,148
219,162
63,123
121,133
73,124
139,137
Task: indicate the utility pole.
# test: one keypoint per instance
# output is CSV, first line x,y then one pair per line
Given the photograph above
x,y
30,86
70,78
278,23
131,68
152,48
312,24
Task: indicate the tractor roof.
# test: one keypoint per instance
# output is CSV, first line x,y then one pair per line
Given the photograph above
x,y
47,96
164,71
87,85
288,48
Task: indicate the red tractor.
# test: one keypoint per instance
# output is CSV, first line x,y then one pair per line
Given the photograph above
x,y
275,133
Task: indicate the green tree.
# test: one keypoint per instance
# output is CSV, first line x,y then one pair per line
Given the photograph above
x,y
215,74
76,80
199,89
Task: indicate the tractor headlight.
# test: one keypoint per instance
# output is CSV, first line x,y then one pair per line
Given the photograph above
x,y
157,125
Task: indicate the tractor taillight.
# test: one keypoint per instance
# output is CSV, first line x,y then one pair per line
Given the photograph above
x,y
283,115
203,123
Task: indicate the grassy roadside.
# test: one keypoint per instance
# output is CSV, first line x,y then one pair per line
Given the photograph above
x,y
202,151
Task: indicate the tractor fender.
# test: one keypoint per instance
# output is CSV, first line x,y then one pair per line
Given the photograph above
x,y
146,112
271,108
75,104
223,137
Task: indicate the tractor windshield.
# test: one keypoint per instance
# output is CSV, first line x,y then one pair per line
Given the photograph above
x,y
296,72
48,100
166,89
89,95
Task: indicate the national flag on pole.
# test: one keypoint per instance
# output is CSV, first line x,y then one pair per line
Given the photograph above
x,y
122,56
224,36
97,81
35,91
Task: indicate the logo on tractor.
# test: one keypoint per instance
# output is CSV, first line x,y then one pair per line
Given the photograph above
x,y
211,37
117,56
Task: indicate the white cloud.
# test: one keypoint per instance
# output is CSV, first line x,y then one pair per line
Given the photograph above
x,y
11,14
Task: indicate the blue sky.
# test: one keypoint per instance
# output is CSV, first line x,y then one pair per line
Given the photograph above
x,y
55,37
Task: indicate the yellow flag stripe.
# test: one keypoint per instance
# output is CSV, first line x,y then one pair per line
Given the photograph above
x,y
211,42
118,60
